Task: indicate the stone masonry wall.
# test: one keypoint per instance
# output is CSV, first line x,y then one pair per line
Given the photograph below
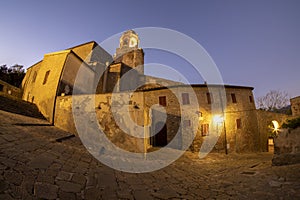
x,y
185,120
10,90
265,119
295,106
239,139
106,120
42,90
287,147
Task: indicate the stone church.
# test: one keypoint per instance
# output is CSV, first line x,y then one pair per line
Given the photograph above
x,y
50,84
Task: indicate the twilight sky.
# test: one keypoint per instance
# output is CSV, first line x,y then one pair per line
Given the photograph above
x,y
253,43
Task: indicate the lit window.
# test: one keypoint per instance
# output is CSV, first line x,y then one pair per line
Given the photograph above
x,y
233,98
46,77
204,129
238,123
163,101
185,98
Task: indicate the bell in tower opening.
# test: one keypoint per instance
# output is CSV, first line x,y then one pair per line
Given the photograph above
x,y
129,52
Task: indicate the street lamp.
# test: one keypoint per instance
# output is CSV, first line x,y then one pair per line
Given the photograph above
x,y
218,119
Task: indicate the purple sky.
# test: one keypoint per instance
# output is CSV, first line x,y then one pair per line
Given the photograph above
x,y
254,43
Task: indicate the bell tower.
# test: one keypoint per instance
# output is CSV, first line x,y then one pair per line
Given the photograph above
x,y
129,52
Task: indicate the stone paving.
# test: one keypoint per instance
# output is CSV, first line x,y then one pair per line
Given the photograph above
x,y
33,165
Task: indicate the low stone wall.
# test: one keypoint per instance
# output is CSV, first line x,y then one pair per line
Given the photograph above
x,y
295,106
103,113
10,90
287,147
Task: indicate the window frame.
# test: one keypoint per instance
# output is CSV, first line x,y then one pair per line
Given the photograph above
x,y
34,76
46,77
238,123
209,98
185,98
251,99
233,98
164,104
205,129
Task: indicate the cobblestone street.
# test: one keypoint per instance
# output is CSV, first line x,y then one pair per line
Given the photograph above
x,y
35,166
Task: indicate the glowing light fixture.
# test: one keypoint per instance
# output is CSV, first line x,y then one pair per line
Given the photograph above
x,y
218,118
276,126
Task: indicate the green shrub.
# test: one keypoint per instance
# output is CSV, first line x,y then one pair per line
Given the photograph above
x,y
292,123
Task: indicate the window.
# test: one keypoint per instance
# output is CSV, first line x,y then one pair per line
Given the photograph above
x,y
163,101
1,87
185,98
186,123
34,77
233,98
238,123
204,129
209,98
46,77
251,99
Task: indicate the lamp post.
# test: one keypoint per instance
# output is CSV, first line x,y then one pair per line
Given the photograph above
x,y
222,107
225,138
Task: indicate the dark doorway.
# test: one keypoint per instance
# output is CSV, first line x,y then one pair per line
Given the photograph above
x,y
160,138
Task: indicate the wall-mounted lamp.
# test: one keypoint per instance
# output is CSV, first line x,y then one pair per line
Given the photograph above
x,y
199,115
218,119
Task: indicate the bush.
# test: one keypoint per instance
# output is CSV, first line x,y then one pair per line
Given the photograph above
x,y
293,123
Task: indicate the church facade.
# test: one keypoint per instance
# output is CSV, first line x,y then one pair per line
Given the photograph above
x,y
188,109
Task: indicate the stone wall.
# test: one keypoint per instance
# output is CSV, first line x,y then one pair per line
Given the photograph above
x,y
247,136
9,90
287,147
179,120
295,106
244,138
55,75
239,138
265,119
106,114
40,86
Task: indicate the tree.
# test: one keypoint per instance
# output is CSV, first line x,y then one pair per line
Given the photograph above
x,y
273,101
13,74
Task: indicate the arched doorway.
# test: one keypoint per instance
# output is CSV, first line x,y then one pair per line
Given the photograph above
x,y
160,138
274,132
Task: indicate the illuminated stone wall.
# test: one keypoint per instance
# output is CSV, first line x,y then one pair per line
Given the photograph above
x,y
40,86
295,106
239,139
287,147
248,137
10,90
240,121
56,73
264,119
107,123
